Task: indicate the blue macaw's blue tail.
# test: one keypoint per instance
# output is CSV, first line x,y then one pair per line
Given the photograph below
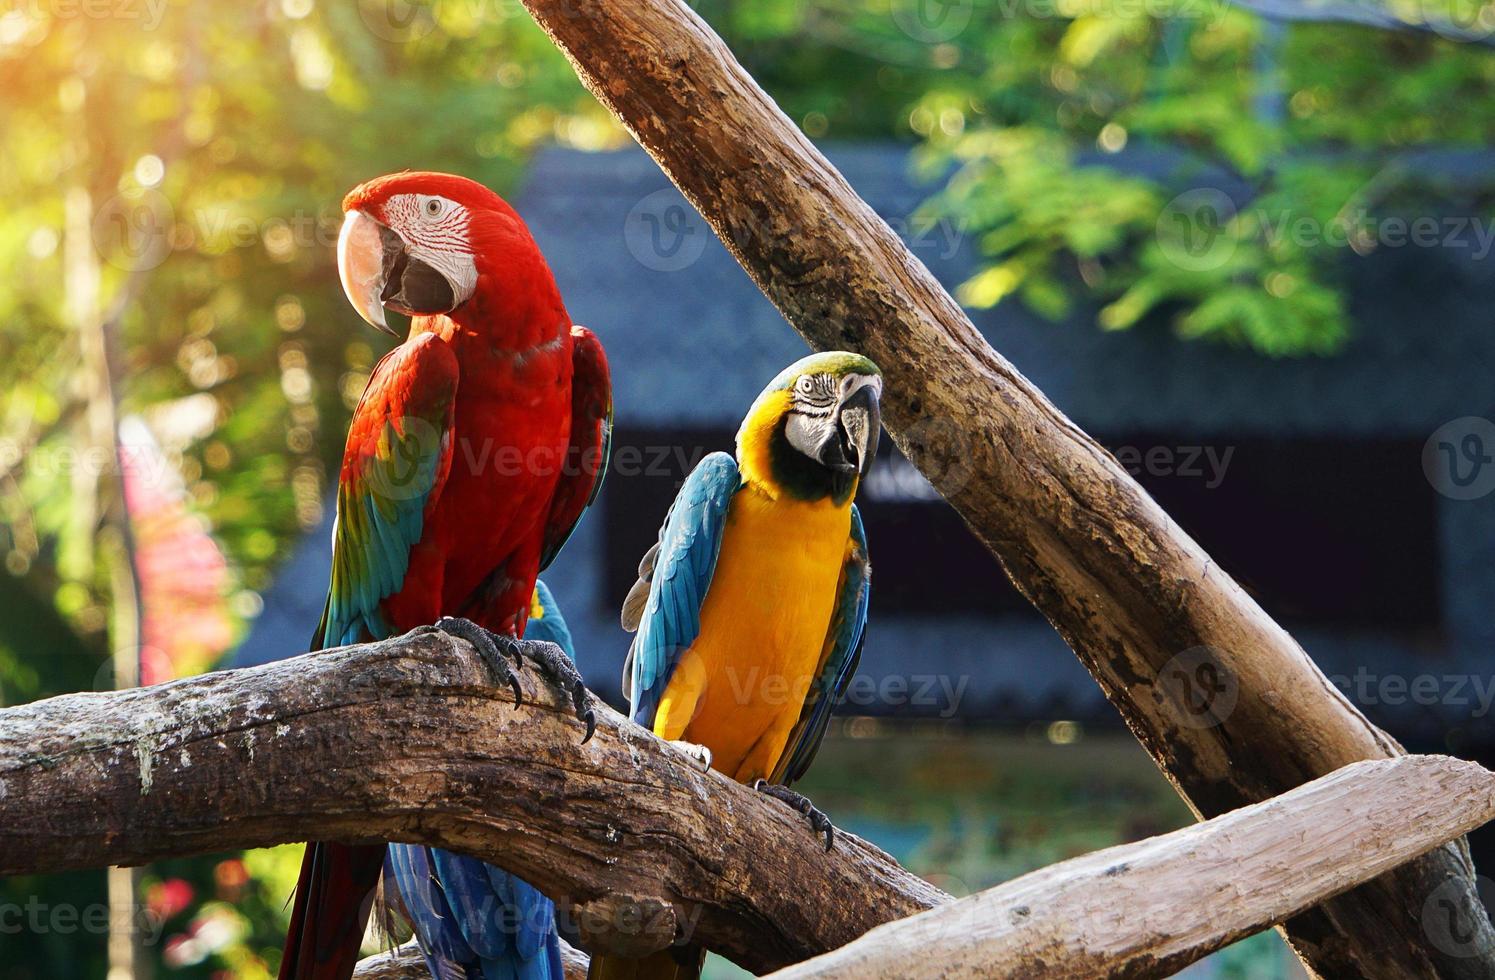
x,y
474,921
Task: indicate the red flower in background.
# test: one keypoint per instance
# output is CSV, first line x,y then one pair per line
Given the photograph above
x,y
184,578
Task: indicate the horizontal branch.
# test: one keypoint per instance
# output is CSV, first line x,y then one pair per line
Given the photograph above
x,y
407,740
405,963
1151,908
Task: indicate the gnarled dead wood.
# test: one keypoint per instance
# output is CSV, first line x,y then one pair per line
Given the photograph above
x,y
1222,697
408,740
1151,908
405,963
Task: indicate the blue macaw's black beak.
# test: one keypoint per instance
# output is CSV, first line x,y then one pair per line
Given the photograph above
x,y
410,285
858,426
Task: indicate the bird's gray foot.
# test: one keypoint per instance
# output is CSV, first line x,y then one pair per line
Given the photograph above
x,y
556,666
819,822
491,648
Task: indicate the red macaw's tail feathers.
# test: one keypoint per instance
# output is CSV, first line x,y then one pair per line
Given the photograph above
x,y
333,899
679,963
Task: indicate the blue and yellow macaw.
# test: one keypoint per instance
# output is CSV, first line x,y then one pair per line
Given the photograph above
x,y
474,921
751,608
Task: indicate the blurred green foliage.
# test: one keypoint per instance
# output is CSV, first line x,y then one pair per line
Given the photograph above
x,y
1307,119
211,144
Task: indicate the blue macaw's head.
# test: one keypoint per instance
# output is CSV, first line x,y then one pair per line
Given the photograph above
x,y
813,431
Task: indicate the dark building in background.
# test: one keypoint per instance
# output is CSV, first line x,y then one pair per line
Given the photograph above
x,y
1303,478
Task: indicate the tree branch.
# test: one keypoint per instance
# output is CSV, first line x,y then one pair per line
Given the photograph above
x,y
1158,624
1151,908
408,740
405,963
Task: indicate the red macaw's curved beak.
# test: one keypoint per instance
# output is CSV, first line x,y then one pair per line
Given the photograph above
x,y
378,271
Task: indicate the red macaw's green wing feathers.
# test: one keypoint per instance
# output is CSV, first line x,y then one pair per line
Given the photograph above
x,y
398,455
591,441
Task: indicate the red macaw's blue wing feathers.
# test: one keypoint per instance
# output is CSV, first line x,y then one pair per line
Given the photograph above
x,y
843,650
474,921
674,576
398,455
591,442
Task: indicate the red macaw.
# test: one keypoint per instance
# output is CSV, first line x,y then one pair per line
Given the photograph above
x,y
476,446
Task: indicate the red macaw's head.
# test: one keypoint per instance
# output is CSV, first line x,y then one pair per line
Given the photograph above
x,y
422,243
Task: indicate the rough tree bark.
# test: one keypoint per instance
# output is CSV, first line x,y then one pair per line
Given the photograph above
x,y
408,740
1227,703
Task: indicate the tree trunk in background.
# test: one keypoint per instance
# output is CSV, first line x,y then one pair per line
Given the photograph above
x,y
104,516
1227,703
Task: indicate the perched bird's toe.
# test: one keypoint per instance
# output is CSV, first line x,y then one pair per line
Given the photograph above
x,y
819,822
700,754
560,671
488,646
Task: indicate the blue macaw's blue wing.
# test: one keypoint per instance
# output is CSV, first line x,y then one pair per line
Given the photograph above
x,y
474,921
677,573
843,650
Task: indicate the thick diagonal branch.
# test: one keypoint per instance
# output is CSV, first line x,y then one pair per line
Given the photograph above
x,y
1160,626
1151,908
408,740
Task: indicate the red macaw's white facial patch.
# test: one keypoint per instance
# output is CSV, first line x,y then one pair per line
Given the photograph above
x,y
434,230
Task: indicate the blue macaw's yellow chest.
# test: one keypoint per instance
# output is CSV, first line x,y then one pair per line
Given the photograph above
x,y
741,686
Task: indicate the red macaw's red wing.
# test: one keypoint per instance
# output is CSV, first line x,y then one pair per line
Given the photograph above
x,y
591,441
397,458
